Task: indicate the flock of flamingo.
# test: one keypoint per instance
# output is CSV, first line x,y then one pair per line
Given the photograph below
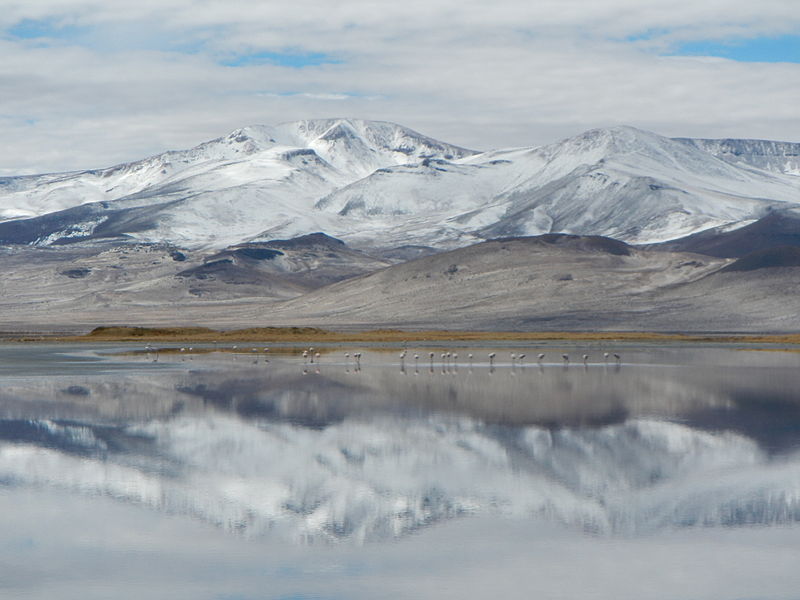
x,y
448,360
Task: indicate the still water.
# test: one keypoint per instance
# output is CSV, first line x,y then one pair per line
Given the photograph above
x,y
671,472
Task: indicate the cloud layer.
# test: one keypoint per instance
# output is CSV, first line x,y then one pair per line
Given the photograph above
x,y
88,83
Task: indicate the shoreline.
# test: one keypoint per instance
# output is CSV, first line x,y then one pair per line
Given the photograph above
x,y
313,334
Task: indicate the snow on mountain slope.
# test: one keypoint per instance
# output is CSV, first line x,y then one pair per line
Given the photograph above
x,y
620,182
37,194
416,204
184,213
778,157
257,180
638,187
380,184
360,147
353,147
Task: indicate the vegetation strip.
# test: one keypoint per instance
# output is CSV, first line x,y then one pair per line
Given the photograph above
x,y
313,334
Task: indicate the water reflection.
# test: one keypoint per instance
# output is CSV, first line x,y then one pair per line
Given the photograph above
x,y
372,446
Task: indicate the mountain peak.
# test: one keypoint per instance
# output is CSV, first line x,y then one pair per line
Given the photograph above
x,y
637,151
617,131
379,133
341,129
251,138
617,139
363,146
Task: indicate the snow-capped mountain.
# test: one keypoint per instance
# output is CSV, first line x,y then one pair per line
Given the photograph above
x,y
343,150
380,184
256,180
621,182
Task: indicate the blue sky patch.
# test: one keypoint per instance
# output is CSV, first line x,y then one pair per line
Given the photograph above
x,y
784,48
111,37
117,37
32,29
647,35
292,59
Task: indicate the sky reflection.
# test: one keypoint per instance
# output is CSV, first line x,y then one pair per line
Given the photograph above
x,y
144,459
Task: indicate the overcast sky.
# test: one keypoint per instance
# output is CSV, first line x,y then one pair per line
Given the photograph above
x,y
90,83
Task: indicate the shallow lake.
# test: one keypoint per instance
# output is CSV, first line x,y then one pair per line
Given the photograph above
x,y
672,471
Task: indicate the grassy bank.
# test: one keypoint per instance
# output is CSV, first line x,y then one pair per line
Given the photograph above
x,y
313,334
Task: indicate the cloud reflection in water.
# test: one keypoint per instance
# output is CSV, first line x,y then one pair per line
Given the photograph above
x,y
374,455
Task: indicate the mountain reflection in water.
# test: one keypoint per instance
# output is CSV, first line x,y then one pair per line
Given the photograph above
x,y
307,453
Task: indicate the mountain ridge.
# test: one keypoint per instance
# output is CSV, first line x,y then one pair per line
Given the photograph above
x,y
770,155
379,184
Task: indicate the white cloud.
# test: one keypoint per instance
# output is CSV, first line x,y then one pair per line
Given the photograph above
x,y
137,78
